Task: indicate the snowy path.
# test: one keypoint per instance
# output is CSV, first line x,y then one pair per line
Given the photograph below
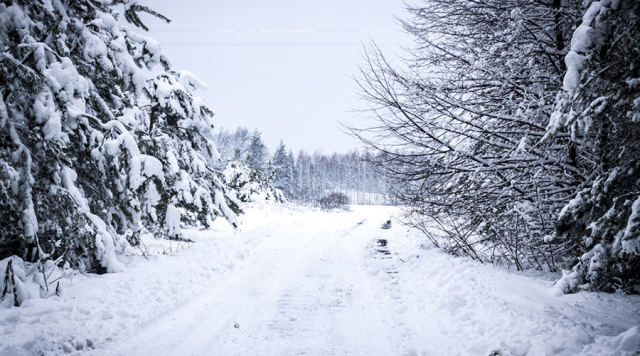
x,y
313,283
303,291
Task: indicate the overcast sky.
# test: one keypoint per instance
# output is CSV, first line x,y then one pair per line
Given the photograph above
x,y
281,66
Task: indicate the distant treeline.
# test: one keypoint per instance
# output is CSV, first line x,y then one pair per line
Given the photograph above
x,y
305,177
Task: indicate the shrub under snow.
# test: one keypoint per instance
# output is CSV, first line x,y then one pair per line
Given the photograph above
x,y
335,200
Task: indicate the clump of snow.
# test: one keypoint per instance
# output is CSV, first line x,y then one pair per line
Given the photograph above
x,y
222,205
105,244
183,186
627,343
633,82
596,260
631,239
173,163
46,112
172,221
575,64
588,36
29,219
153,198
152,167
569,283
191,81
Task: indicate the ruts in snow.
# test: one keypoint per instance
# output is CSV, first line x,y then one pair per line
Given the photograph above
x,y
294,282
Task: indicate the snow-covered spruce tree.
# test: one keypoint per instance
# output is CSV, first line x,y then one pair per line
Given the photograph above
x,y
248,171
458,132
295,176
601,110
177,136
73,179
248,186
283,167
257,156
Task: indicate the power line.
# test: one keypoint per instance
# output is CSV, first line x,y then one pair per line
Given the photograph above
x,y
275,31
273,44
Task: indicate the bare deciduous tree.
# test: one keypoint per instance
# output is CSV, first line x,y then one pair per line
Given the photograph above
x,y
460,128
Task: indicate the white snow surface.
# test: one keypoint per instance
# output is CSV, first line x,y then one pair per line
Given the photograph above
x,y
172,221
294,281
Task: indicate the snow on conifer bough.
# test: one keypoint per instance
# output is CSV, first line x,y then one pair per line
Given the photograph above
x,y
93,147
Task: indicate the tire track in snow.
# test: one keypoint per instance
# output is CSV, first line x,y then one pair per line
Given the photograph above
x,y
364,314
259,286
323,310
184,328
302,290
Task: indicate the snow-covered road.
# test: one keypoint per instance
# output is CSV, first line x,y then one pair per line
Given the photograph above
x,y
295,282
302,291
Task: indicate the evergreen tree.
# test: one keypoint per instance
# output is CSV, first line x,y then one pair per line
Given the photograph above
x,y
295,176
257,155
283,166
84,155
600,110
176,136
243,182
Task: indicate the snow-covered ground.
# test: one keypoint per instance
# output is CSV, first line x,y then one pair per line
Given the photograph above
x,y
294,282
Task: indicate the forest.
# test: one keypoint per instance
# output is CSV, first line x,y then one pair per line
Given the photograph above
x,y
515,134
97,149
304,178
494,198
510,138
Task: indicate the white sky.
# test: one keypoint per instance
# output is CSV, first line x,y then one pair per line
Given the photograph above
x,y
281,66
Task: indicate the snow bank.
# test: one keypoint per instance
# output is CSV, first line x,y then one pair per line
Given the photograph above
x,y
627,342
94,310
460,307
317,283
569,283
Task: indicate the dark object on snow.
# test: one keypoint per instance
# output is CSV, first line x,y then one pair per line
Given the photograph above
x,y
382,244
387,225
335,200
10,284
